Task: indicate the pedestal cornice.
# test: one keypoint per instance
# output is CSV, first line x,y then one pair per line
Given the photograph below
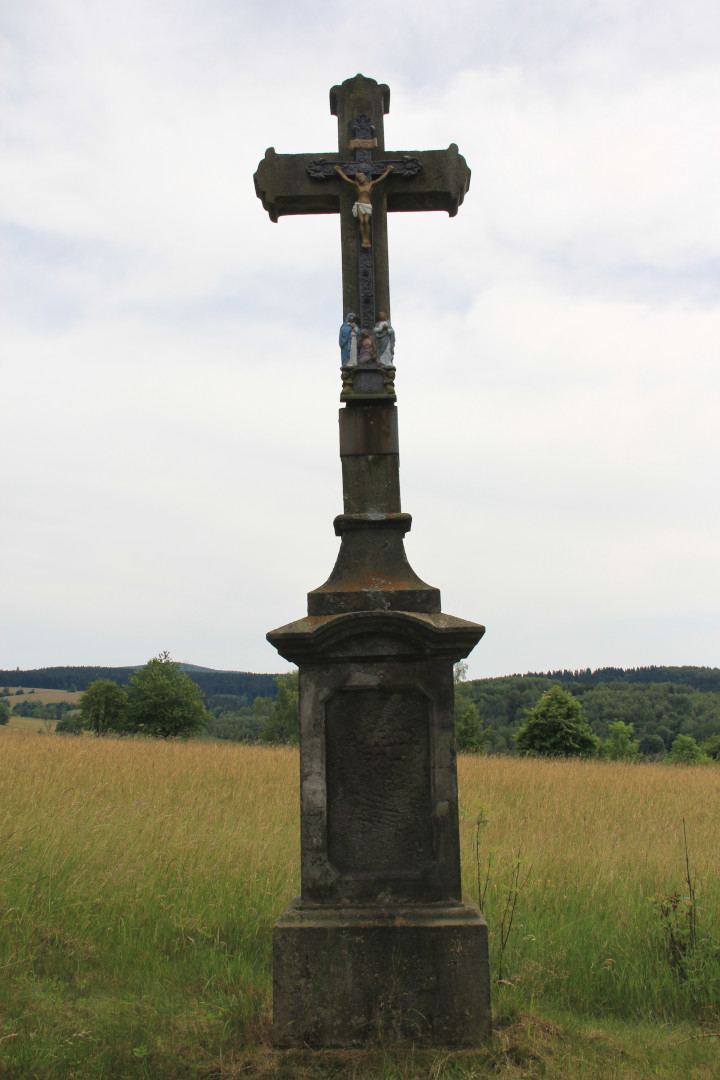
x,y
376,635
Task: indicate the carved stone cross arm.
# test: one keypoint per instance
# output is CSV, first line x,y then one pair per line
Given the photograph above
x,y
309,184
442,185
287,184
284,186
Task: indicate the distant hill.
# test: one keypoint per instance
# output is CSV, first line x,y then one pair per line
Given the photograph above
x,y
245,684
700,678
250,685
664,701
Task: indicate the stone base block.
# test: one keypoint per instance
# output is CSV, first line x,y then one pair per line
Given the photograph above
x,y
350,976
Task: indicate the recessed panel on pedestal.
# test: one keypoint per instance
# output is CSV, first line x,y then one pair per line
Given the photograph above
x,y
377,754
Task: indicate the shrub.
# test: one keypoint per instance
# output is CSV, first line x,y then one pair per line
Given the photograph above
x,y
556,727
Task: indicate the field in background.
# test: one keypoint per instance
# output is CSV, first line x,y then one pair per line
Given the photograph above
x,y
46,696
140,881
34,724
31,725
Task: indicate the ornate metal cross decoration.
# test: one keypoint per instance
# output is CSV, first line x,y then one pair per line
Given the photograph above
x,y
404,181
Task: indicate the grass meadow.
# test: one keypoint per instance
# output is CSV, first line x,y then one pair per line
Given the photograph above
x,y
140,881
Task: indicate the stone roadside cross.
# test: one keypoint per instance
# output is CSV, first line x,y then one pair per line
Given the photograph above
x,y
309,184
380,945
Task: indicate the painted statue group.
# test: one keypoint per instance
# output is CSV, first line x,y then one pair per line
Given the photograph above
x,y
360,348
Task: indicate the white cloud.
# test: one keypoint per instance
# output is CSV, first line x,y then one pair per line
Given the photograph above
x,y
169,424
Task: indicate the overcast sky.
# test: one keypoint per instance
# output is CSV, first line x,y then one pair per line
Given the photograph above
x,y
170,385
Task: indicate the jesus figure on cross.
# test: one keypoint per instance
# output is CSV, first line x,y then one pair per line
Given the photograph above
x,y
362,209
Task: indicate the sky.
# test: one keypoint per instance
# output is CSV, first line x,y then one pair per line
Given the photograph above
x,y
168,447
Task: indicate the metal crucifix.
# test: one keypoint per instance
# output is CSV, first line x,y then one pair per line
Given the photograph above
x,y
372,187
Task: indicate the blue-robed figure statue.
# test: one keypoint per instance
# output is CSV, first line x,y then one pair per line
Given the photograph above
x,y
348,341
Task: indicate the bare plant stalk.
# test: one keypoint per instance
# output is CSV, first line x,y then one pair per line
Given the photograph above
x,y
480,822
509,909
692,914
483,887
700,1035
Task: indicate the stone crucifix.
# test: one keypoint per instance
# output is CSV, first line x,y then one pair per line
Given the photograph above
x,y
374,181
381,945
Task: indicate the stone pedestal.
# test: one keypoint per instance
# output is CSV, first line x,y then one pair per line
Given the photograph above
x,y
380,945
348,976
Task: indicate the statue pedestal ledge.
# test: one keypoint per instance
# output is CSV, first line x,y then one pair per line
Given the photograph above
x,y
353,976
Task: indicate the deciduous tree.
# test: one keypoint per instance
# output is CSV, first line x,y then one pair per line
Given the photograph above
x,y
685,751
651,746
619,745
102,707
556,727
163,701
470,735
282,723
711,747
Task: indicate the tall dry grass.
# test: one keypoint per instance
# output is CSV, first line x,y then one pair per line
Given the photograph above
x,y
601,846
140,880
139,884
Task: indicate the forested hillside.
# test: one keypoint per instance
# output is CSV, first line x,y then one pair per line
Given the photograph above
x,y
657,701
244,684
700,678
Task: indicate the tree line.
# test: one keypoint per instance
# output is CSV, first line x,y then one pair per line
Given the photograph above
x,y
700,678
623,718
162,700
245,684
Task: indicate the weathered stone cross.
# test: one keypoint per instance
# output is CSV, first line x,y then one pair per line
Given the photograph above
x,y
310,184
380,945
